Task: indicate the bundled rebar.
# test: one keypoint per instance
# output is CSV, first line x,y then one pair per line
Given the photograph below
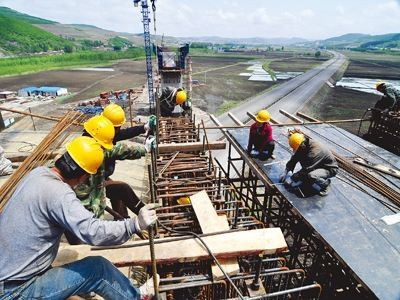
x,y
369,180
41,153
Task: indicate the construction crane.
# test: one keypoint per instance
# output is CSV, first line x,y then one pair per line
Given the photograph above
x,y
147,47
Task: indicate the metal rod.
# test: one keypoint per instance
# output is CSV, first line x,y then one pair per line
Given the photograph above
x,y
162,241
33,122
153,261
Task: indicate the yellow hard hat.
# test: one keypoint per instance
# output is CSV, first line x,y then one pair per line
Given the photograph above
x,y
87,153
183,200
378,84
180,97
295,140
115,114
102,130
263,116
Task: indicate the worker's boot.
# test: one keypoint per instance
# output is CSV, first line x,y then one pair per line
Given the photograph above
x,y
147,291
324,189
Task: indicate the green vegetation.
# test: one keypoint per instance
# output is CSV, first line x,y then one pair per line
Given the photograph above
x,y
227,106
317,54
119,43
33,64
21,37
268,69
7,12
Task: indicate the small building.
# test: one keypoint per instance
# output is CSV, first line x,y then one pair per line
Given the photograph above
x,y
27,91
7,95
52,91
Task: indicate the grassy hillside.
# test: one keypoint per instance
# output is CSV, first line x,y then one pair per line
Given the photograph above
x,y
8,12
19,37
362,41
22,65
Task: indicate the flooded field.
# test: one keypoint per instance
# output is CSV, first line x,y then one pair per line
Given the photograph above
x,y
366,85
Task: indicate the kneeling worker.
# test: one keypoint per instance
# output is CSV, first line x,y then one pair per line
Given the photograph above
x,y
170,98
41,208
261,142
318,163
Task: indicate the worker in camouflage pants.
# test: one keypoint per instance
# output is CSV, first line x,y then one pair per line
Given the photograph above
x,y
93,193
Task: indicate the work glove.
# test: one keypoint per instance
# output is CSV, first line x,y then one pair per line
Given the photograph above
x,y
282,177
150,143
146,217
151,124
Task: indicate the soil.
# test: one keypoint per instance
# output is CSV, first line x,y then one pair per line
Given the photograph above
x,y
223,85
126,74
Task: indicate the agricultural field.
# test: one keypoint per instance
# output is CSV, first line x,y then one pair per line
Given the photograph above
x,y
346,103
371,65
222,87
83,84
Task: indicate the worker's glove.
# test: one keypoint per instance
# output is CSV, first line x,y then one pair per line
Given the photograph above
x,y
283,176
150,143
151,124
146,217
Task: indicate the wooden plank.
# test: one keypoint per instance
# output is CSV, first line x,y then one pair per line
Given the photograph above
x,y
190,147
210,222
227,245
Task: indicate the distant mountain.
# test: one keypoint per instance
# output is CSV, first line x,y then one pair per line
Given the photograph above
x,y
8,12
245,41
359,40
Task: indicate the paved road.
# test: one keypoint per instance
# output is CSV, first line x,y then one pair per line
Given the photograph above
x,y
290,96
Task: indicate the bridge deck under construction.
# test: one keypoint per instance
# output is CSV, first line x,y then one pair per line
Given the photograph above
x,y
347,221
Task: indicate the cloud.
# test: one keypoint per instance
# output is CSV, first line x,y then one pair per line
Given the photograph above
x,y
308,13
319,19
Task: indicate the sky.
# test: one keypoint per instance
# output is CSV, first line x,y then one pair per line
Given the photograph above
x,y
310,19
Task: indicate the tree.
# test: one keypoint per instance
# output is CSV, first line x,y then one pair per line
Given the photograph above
x,y
317,54
68,49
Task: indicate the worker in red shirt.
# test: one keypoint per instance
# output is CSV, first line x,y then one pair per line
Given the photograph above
x,y
261,142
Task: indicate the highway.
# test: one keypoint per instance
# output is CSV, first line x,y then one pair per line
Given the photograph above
x,y
290,96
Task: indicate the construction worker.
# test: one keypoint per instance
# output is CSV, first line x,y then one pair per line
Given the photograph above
x,y
390,101
93,193
318,164
41,208
172,97
261,142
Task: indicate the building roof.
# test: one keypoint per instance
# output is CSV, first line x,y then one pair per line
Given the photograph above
x,y
28,89
49,88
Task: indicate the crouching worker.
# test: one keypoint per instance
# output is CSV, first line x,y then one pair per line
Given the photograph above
x,y
318,164
172,97
41,208
261,142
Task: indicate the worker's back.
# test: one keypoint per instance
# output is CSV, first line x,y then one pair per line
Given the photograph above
x,y
29,241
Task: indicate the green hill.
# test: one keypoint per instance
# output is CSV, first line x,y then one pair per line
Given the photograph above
x,y
8,12
361,41
18,37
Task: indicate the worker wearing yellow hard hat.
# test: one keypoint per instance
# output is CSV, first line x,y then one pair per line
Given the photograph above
x,y
86,153
115,114
49,207
317,162
102,130
93,193
170,99
261,143
389,102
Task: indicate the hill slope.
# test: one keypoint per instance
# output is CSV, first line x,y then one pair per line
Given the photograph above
x,y
19,37
8,12
363,41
